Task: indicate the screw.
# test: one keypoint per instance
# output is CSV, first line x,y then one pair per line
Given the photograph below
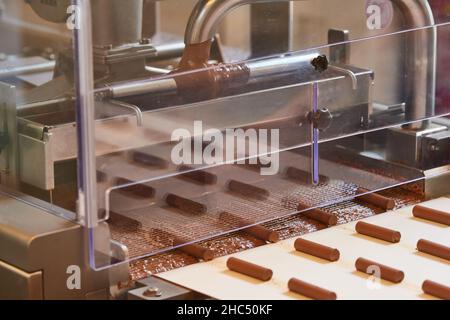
x,y
152,292
434,147
144,41
321,119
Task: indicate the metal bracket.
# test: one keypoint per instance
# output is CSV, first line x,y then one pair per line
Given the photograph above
x,y
271,28
339,53
154,289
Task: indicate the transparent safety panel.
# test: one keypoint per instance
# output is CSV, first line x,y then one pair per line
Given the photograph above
x,y
195,128
38,142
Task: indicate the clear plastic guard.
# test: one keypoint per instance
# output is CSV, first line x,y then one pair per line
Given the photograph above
x,y
36,96
105,126
153,203
306,133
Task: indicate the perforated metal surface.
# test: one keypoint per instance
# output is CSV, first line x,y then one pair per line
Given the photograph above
x,y
153,225
288,227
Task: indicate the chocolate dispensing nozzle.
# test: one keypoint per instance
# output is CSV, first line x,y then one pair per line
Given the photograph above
x,y
320,63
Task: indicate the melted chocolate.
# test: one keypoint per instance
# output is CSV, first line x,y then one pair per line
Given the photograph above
x,y
198,80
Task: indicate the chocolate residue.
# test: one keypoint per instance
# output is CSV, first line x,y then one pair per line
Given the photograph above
x,y
195,56
153,265
198,80
288,227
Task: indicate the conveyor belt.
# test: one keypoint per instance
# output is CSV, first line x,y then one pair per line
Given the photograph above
x,y
215,280
287,228
179,210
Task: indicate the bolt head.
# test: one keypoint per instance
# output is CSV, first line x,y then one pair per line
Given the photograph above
x,y
152,292
144,41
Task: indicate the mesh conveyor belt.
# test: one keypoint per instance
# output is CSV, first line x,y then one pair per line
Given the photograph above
x,y
156,221
288,227
152,228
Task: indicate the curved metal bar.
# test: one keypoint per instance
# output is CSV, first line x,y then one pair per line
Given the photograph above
x,y
421,57
208,14
135,109
347,72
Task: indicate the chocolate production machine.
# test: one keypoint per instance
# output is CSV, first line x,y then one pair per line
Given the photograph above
x,y
140,138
